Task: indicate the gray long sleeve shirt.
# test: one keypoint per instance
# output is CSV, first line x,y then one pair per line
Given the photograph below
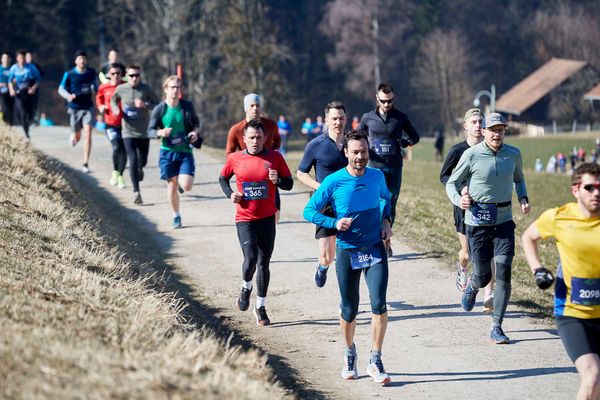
x,y
490,177
135,119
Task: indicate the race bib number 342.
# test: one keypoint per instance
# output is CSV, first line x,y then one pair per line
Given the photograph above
x,y
255,190
484,214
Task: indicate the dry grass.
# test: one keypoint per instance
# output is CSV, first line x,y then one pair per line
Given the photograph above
x,y
77,323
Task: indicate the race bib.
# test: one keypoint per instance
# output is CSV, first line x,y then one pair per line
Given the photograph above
x,y
384,147
132,112
365,257
112,134
484,214
255,190
22,85
85,90
3,89
177,140
585,291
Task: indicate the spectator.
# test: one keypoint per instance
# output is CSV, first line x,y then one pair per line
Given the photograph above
x,y
355,123
100,124
307,128
562,162
539,166
439,144
551,166
285,129
573,158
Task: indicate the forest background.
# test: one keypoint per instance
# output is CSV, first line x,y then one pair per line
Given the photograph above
x,y
299,55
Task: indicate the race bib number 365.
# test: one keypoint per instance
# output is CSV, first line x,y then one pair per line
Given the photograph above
x,y
255,190
585,291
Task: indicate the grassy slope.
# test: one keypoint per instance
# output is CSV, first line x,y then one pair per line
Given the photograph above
x,y
77,323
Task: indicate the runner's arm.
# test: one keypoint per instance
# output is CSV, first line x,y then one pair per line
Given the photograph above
x,y
155,122
62,88
285,180
519,179
413,135
449,165
458,176
225,186
530,239
114,102
231,145
306,179
318,200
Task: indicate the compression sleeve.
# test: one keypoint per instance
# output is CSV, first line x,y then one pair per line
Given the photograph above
x,y
285,183
318,200
225,186
458,176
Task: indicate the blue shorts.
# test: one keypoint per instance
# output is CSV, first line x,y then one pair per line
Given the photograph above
x,y
174,163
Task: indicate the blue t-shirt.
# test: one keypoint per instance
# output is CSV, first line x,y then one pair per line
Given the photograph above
x,y
4,72
364,198
284,126
82,85
23,78
322,154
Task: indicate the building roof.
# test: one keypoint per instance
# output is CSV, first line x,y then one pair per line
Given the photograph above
x,y
593,94
537,85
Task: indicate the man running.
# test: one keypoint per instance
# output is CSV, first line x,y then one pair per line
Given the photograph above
x,y
576,229
472,126
175,121
77,87
258,171
360,202
23,82
490,169
113,58
113,123
252,108
325,153
385,126
134,100
7,102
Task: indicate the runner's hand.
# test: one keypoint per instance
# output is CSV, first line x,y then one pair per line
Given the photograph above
x,y
138,103
465,199
165,132
525,207
273,176
343,224
236,197
543,278
71,97
386,230
193,135
102,108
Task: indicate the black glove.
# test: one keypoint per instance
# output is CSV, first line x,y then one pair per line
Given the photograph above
x,y
543,278
405,142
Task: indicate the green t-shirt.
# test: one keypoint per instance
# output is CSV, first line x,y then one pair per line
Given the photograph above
x,y
173,118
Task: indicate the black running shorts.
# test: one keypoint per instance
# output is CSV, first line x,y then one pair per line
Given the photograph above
x,y
579,336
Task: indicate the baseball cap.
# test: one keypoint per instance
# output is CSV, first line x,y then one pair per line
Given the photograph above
x,y
471,112
494,119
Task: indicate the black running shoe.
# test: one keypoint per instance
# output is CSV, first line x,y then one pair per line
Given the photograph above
x,y
261,316
243,301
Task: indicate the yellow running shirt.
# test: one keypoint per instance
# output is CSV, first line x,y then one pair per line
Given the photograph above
x,y
577,289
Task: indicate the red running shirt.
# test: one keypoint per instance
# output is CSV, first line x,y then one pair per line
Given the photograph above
x,y
252,180
105,92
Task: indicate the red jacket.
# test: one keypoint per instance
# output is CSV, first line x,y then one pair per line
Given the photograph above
x,y
105,92
235,137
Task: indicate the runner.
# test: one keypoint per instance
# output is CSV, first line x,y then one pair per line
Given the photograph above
x,y
284,129
360,202
385,126
6,99
176,122
23,81
325,154
36,96
490,169
472,126
576,229
258,172
76,87
135,100
113,123
113,58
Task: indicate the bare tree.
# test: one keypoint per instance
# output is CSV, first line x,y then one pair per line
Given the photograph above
x,y
444,77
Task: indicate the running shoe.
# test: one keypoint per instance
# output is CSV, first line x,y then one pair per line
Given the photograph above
x,y
176,222
137,199
85,169
469,296
121,182
261,316
461,277
321,275
140,174
497,335
350,370
243,301
114,177
376,371
180,189
488,305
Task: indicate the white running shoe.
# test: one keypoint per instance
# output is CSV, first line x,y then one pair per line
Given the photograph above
x,y
85,169
350,370
461,277
376,371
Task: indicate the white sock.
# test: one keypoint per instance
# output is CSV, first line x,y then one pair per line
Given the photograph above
x,y
176,214
261,302
247,285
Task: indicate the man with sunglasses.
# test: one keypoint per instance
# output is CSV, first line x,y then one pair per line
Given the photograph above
x,y
575,227
175,121
77,87
490,170
385,126
134,101
113,123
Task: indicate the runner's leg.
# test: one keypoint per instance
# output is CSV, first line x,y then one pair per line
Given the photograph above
x,y
266,243
132,156
349,285
588,366
504,250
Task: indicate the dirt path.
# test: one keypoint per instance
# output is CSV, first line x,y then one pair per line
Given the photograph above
x,y
433,350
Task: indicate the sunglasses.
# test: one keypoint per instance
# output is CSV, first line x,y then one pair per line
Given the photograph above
x,y
590,187
114,73
174,87
133,75
390,101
